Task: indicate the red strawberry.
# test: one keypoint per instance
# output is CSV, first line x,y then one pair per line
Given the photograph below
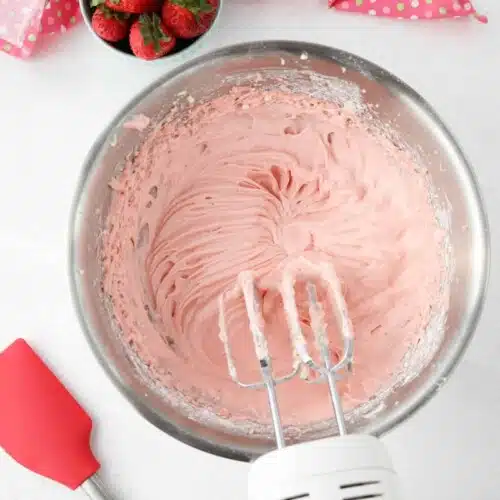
x,y
109,25
188,18
207,18
149,38
134,6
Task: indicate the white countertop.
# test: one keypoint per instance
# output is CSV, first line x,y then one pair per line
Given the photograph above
x,y
51,110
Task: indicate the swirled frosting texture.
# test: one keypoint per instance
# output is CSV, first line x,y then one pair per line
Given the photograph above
x,y
249,181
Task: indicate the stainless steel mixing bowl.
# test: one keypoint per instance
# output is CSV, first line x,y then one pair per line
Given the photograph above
x,y
394,102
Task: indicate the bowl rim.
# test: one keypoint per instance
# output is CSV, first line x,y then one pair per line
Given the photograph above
x,y
453,355
86,10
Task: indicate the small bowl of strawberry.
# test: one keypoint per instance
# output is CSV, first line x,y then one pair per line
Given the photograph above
x,y
150,29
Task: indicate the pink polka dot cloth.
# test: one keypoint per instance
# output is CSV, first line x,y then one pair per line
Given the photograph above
x,y
24,23
410,9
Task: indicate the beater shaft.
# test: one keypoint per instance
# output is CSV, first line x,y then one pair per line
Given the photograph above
x,y
317,314
273,403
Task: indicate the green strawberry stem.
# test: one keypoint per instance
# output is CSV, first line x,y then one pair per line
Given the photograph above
x,y
113,14
151,31
197,7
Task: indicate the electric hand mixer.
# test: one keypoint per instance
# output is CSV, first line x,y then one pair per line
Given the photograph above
x,y
347,467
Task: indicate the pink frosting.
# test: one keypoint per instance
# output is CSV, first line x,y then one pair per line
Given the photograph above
x,y
253,180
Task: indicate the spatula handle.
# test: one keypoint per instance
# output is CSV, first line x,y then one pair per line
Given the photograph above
x,y
95,489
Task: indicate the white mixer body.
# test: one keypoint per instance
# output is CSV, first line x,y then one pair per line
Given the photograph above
x,y
353,467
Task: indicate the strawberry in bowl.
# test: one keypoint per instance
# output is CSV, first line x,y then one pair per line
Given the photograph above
x,y
110,25
149,38
150,29
134,6
188,18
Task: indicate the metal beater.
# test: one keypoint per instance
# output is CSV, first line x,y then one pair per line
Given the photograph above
x,y
327,369
348,467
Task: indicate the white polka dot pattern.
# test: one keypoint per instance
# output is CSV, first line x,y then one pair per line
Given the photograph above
x,y
28,21
410,9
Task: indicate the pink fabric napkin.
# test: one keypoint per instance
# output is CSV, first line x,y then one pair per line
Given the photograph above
x,y
25,22
410,9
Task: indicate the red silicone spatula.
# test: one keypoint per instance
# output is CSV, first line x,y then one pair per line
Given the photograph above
x,y
42,426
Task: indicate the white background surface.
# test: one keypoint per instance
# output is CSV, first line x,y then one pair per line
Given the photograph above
x,y
51,110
